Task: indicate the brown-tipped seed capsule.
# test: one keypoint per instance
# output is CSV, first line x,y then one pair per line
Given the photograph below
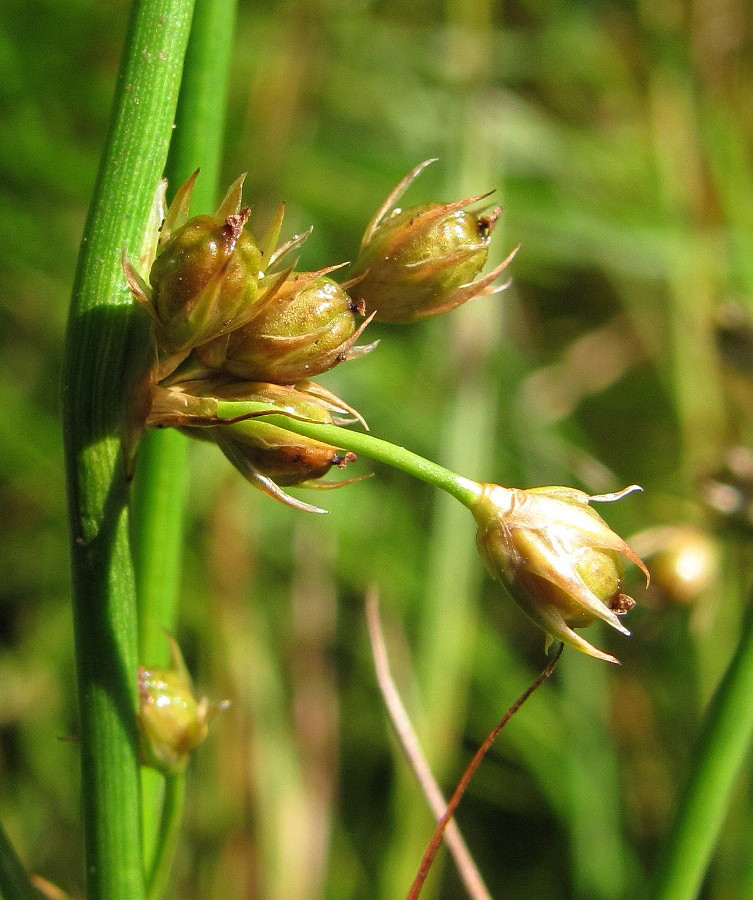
x,y
422,262
202,278
306,327
269,456
205,277
287,458
171,721
559,560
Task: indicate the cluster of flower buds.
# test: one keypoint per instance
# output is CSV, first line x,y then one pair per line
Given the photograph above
x,y
231,324
557,557
231,321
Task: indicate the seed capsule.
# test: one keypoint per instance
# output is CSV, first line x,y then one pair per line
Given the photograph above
x,y
684,562
557,557
422,262
307,327
206,274
269,456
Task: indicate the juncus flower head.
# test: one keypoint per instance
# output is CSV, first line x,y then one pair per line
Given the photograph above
x,y
423,261
206,275
559,560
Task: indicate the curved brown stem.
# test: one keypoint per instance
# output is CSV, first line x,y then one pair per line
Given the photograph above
x,y
436,838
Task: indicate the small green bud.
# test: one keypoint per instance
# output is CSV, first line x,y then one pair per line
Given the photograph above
x,y
557,557
206,274
172,722
307,326
202,278
422,262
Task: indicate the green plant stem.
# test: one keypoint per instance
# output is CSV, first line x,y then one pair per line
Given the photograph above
x,y
172,813
14,881
157,505
160,485
159,488
98,366
462,489
721,751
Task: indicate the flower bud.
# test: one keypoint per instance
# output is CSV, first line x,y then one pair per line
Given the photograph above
x,y
422,262
559,560
171,721
205,277
307,326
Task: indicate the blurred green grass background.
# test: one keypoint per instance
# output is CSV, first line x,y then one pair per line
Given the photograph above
x,y
618,138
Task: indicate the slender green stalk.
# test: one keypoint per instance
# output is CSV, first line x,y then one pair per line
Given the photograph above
x,y
591,774
722,748
14,881
159,489
157,504
462,489
97,367
172,813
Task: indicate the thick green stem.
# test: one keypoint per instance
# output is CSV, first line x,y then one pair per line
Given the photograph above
x,y
159,489
104,341
462,489
722,749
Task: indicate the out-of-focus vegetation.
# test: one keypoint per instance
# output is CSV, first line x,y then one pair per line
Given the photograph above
x,y
619,138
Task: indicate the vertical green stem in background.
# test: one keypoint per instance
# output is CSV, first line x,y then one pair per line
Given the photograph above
x,y
158,872
591,774
159,488
722,747
692,289
160,484
95,380
444,650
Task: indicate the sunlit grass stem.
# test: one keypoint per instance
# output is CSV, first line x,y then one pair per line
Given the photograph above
x,y
99,359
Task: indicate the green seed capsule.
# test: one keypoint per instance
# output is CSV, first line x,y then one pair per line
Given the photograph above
x,y
269,456
304,329
422,262
557,557
203,276
287,458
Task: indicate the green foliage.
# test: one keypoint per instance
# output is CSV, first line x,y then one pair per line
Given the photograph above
x,y
618,138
